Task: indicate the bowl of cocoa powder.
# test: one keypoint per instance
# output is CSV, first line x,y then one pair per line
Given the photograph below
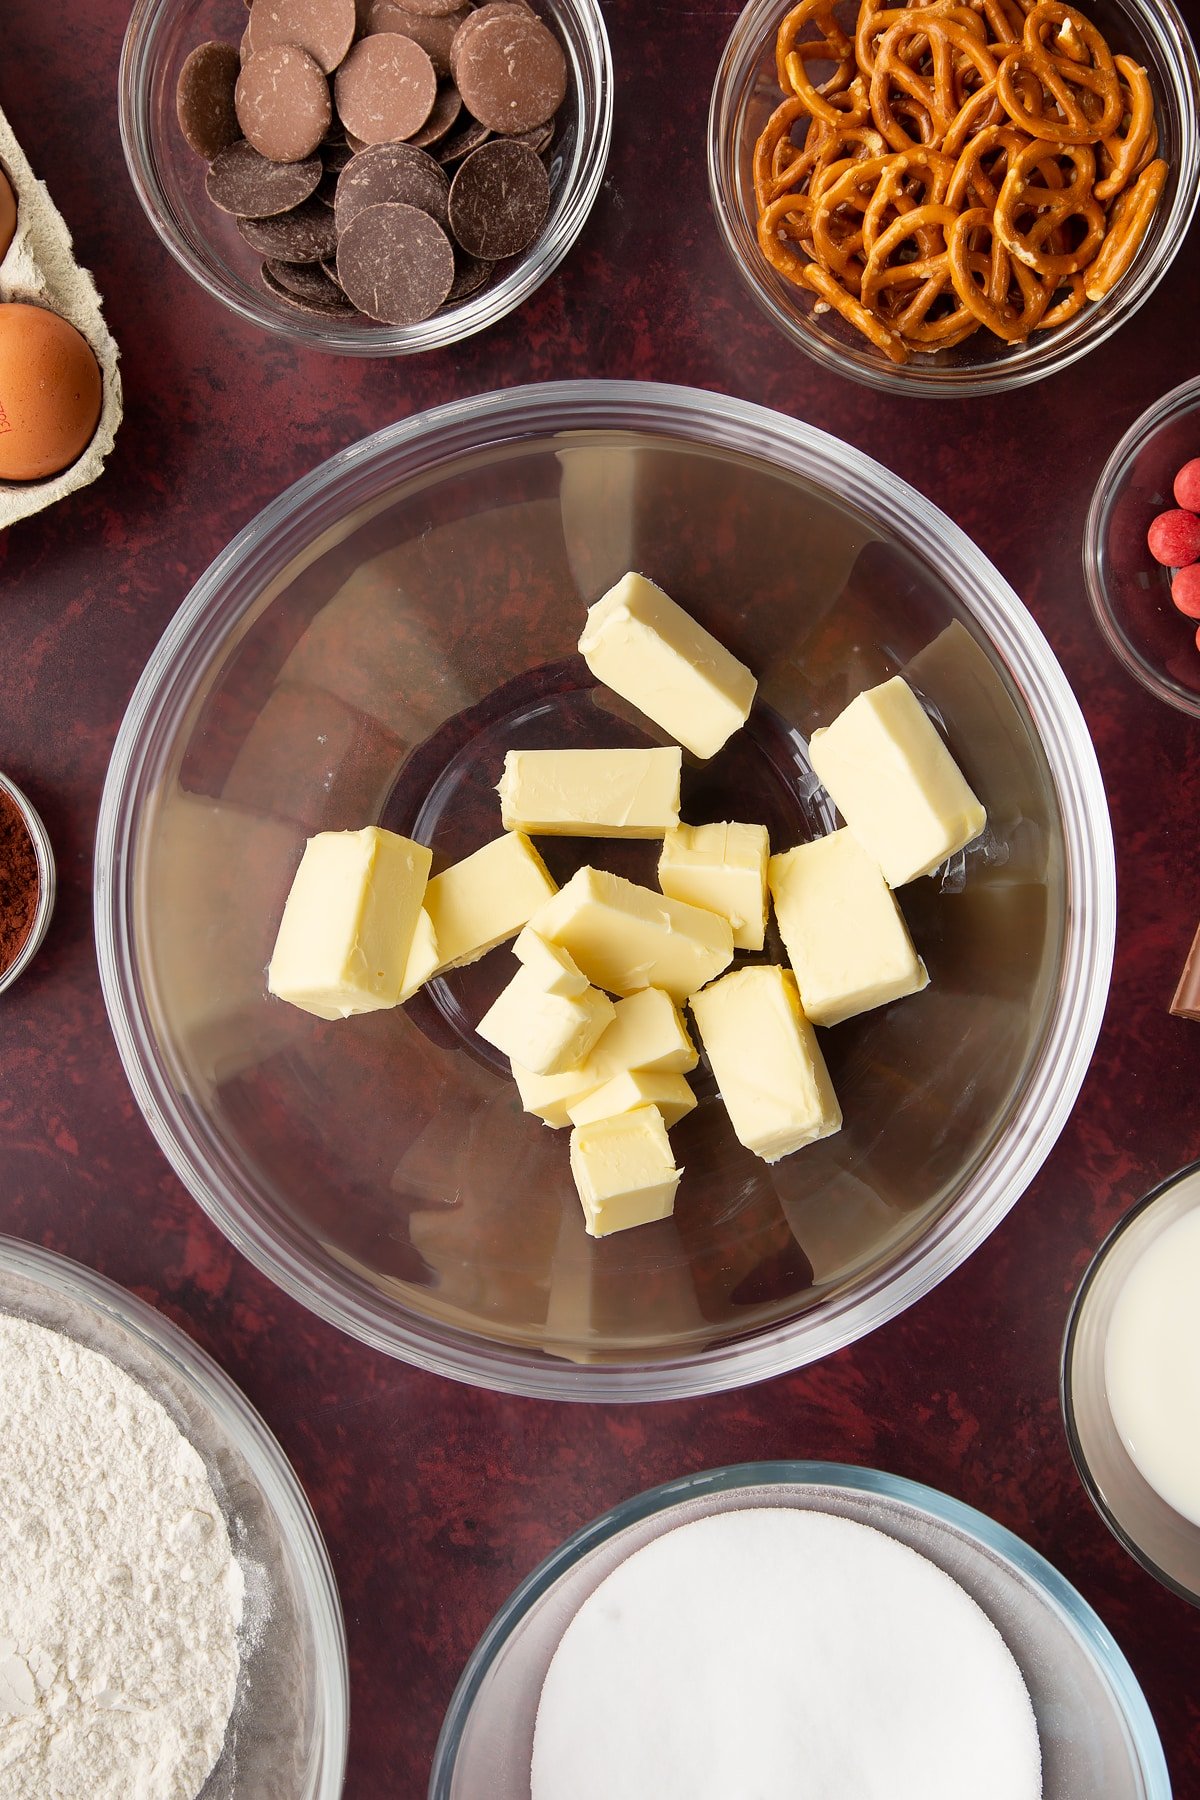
x,y
26,882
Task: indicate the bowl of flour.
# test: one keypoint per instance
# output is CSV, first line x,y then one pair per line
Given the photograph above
x,y
795,1629
169,1623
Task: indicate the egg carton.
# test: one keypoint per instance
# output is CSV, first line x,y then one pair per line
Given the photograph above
x,y
40,268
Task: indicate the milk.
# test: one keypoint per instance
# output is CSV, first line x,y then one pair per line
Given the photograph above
x,y
1152,1365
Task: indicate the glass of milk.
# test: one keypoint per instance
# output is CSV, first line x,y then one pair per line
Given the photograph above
x,y
1131,1382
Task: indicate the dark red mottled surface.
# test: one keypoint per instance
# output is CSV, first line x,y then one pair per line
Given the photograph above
x,y
435,1500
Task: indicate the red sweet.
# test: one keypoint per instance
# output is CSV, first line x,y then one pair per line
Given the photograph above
x,y
1185,590
1174,538
1187,485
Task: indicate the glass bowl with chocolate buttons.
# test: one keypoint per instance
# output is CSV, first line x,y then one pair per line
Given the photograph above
x,y
373,178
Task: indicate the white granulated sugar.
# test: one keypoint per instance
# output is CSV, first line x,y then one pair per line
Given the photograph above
x,y
120,1596
783,1655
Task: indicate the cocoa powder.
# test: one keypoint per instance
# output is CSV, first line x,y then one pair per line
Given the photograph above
x,y
20,884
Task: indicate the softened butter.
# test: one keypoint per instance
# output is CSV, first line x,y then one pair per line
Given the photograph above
x,y
722,868
624,1171
626,937
591,793
767,1062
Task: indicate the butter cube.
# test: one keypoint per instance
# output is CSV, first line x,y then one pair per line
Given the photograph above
x,y
549,1096
555,969
422,956
626,937
635,1087
486,898
545,1033
591,793
643,645
845,934
348,922
895,783
624,1171
767,1062
724,869
647,1034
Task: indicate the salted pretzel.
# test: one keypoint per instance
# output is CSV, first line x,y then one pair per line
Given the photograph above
x,y
954,166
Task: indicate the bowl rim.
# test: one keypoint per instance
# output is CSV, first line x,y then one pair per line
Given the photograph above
x,y
1066,1379
245,1426
423,443
904,1495
754,28
1172,405
47,882
356,338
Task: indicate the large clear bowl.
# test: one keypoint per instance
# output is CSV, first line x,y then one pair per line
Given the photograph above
x,y
744,96
168,178
287,1733
365,651
1097,1735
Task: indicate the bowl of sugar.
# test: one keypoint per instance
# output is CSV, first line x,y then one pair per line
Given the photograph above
x,y
772,1625
1130,1382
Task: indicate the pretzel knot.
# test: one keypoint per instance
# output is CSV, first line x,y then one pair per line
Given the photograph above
x,y
1050,207
1071,95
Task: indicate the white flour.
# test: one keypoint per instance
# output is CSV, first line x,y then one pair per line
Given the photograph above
x,y
119,1593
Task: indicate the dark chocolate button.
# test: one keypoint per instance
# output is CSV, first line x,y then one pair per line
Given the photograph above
x,y
282,101
395,263
392,173
471,274
308,280
204,99
435,34
447,110
325,302
499,200
511,72
242,182
461,142
385,89
306,235
324,28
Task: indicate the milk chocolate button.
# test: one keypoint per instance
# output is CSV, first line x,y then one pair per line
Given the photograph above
x,y
385,89
447,109
392,172
434,34
433,8
499,200
241,181
491,9
324,28
511,72
282,101
395,263
204,99
306,235
461,142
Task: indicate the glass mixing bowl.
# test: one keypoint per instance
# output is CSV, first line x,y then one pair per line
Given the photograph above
x,y
168,178
744,96
365,652
287,1734
1096,1732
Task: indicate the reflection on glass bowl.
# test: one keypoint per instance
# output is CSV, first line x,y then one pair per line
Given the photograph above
x,y
1096,1733
365,652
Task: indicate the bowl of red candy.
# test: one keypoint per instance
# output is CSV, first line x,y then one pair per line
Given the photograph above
x,y
1141,549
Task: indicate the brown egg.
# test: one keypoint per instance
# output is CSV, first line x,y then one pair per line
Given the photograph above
x,y
8,214
50,392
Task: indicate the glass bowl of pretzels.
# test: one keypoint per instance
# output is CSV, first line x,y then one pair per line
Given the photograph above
x,y
955,197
